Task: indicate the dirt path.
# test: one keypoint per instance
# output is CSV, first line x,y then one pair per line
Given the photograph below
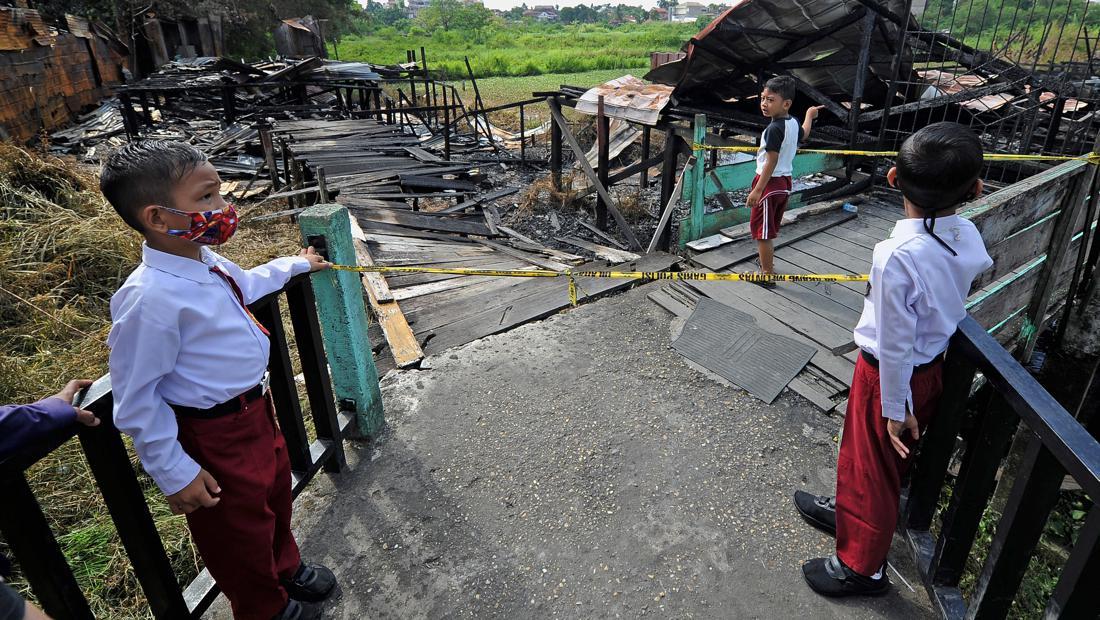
x,y
577,468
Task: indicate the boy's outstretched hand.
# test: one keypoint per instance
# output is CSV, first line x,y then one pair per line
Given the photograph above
x,y
199,494
897,429
813,111
316,261
68,393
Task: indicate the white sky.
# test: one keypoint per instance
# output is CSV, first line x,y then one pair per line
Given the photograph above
x,y
507,4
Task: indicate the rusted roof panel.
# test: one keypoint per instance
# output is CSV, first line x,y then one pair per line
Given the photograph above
x,y
753,35
627,98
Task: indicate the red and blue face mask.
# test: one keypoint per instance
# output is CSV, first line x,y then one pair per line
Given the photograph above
x,y
207,227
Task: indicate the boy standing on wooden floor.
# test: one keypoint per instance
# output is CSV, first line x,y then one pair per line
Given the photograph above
x,y
916,297
187,364
774,163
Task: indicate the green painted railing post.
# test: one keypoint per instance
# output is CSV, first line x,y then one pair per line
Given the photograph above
x,y
698,178
343,316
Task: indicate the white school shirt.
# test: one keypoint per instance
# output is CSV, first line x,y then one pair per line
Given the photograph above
x,y
782,136
916,300
179,336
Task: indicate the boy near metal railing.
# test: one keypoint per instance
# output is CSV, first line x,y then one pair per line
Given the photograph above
x,y
21,425
914,302
187,366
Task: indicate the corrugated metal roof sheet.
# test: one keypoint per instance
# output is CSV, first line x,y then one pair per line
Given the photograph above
x,y
752,35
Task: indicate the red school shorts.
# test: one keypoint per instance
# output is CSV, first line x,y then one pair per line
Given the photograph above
x,y
766,217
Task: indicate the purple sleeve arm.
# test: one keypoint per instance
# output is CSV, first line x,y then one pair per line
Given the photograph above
x,y
23,424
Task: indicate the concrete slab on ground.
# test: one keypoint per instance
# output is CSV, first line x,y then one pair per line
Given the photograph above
x,y
578,468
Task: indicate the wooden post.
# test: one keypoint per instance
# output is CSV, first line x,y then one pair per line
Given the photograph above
x,y
269,153
291,201
343,316
522,138
129,117
322,186
146,109
555,151
412,78
668,180
603,126
867,29
644,182
429,95
446,127
698,179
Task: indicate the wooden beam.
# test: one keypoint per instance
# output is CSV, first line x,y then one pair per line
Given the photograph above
x,y
555,111
404,347
820,97
376,282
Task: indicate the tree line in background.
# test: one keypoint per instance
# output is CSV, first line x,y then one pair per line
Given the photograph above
x,y
1018,29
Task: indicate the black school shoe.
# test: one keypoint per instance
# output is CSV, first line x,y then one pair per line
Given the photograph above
x,y
296,610
818,510
312,583
830,577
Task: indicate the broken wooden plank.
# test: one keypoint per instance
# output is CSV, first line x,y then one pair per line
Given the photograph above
x,y
517,235
376,282
602,235
404,347
479,200
670,206
422,221
739,251
422,155
545,263
602,251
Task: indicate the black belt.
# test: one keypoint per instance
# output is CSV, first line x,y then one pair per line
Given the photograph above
x,y
873,361
233,405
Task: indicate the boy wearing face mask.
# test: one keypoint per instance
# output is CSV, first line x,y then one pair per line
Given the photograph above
x,y
187,365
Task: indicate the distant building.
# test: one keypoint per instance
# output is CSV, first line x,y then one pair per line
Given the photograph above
x,y
688,12
658,14
300,37
413,7
542,13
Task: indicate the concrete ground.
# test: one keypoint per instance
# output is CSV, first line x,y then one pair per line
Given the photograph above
x,y
578,468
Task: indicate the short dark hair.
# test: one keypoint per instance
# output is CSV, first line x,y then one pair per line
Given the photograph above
x,y
782,85
937,166
144,173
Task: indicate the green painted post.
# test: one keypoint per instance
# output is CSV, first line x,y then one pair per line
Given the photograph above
x,y
698,178
343,316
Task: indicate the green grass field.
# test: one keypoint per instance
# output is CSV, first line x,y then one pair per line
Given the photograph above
x,y
516,50
499,90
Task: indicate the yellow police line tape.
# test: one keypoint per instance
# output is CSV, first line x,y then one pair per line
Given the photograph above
x,y
630,275
1092,158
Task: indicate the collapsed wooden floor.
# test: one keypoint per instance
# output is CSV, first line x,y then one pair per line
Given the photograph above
x,y
1030,228
381,173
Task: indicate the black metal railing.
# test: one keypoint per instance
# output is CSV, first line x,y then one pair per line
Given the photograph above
x,y
26,528
1058,445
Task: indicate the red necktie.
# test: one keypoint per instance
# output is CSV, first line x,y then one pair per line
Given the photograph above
x,y
240,298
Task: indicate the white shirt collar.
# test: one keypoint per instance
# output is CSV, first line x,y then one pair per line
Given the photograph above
x,y
915,225
178,265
